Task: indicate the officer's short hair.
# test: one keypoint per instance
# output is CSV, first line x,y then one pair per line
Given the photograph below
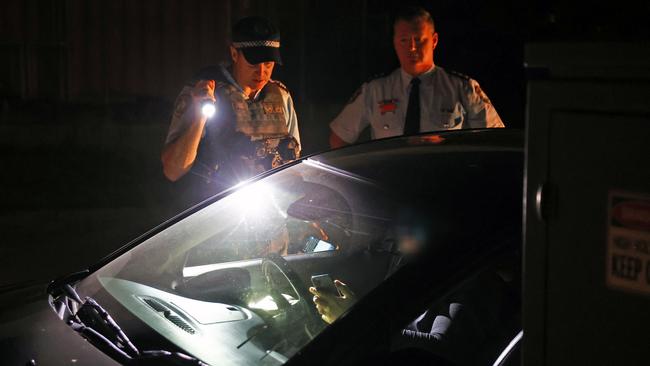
x,y
413,13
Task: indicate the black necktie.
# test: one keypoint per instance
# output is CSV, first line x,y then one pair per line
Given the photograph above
x,y
412,124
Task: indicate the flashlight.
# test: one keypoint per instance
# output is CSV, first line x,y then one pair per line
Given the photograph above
x,y
208,109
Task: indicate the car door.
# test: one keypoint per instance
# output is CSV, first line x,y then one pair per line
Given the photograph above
x,y
372,331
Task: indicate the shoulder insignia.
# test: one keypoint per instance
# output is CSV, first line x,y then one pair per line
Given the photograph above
x,y
481,94
278,83
182,103
359,90
458,75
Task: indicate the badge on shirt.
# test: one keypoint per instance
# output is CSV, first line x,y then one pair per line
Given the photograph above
x,y
272,108
481,94
388,105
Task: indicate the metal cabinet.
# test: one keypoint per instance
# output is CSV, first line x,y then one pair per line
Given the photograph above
x,y
587,206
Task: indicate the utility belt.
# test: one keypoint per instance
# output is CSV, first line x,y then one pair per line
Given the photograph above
x,y
243,162
271,153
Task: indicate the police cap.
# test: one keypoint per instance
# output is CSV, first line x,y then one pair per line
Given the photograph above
x,y
258,39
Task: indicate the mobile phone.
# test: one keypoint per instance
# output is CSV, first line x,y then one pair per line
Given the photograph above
x,y
312,243
316,245
324,284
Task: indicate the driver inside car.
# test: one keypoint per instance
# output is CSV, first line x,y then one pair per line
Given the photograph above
x,y
408,239
320,214
278,244
290,238
456,328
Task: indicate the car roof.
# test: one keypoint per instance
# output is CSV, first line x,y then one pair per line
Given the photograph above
x,y
492,138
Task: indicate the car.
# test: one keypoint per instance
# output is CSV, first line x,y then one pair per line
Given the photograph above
x,y
425,230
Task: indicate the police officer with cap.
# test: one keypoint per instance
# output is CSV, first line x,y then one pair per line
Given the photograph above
x,y
417,97
254,126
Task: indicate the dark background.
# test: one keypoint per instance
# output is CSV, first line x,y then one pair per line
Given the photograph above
x,y
86,90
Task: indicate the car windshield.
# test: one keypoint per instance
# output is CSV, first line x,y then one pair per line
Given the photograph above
x,y
229,284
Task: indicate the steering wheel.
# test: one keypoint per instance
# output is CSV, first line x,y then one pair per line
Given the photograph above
x,y
304,310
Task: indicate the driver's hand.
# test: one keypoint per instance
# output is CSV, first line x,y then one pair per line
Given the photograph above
x,y
330,306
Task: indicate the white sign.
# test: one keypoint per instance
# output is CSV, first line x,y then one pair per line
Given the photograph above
x,y
628,242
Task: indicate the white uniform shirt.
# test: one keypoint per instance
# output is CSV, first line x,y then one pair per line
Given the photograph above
x,y
182,116
447,101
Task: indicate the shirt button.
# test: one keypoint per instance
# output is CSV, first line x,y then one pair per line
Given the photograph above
x,y
386,127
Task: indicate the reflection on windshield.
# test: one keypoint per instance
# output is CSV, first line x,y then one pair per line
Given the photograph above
x,y
234,283
250,258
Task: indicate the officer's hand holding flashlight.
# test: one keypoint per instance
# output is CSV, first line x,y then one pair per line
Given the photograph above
x,y
203,97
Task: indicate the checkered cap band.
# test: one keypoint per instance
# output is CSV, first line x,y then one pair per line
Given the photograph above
x,y
247,44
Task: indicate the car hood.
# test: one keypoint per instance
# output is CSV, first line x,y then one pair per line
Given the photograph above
x,y
31,330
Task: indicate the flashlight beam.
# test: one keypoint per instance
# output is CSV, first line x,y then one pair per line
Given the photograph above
x,y
208,110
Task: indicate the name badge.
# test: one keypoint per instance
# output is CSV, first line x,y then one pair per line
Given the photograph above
x,y
388,105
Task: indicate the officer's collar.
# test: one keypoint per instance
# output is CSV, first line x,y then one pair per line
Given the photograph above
x,y
406,77
225,70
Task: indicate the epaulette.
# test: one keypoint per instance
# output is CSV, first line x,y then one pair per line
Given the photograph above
x,y
458,75
278,83
357,92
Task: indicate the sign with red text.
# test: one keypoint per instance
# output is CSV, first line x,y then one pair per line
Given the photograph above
x,y
628,242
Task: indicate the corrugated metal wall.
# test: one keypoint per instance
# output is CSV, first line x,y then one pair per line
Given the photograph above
x,y
106,50
114,50
30,45
141,47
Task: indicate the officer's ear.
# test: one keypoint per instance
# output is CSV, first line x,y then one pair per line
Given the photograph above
x,y
234,54
434,39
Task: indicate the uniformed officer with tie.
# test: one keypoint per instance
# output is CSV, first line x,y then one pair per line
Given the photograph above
x,y
254,129
419,96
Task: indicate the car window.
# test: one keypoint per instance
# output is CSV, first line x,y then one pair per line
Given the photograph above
x,y
255,252
229,284
474,321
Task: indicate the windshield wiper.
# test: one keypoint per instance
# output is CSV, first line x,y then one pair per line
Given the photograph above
x,y
59,283
91,307
111,339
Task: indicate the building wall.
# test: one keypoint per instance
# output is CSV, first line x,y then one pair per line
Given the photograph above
x,y
111,50
81,50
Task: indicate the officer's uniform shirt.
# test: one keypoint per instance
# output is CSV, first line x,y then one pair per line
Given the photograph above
x,y
447,101
182,116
